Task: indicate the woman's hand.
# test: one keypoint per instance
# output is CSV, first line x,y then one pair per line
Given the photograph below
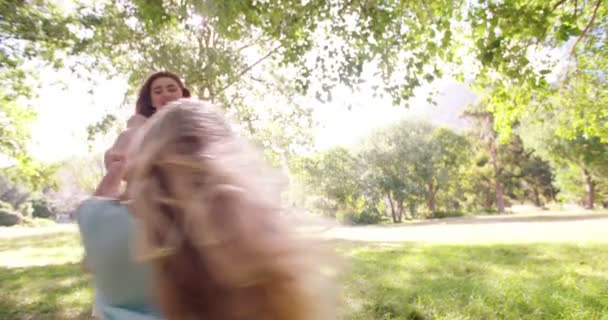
x,y
115,159
117,164
110,184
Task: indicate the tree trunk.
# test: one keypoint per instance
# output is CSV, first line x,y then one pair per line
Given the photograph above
x,y
431,199
500,201
537,201
400,207
489,200
393,213
590,187
412,207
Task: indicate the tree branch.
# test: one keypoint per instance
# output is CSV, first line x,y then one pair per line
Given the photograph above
x,y
250,44
597,6
559,3
251,66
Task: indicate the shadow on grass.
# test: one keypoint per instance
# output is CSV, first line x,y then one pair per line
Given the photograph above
x,y
385,281
475,282
45,292
507,218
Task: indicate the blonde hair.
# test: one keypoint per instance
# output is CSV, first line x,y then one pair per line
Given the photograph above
x,y
211,224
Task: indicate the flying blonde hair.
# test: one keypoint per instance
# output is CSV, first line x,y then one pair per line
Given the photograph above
x,y
212,226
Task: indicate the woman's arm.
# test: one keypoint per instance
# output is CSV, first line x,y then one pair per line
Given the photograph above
x,y
136,121
115,162
110,183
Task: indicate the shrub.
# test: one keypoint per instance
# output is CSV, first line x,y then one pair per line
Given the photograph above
x,y
444,214
369,216
27,210
9,218
321,205
346,216
351,217
5,205
42,208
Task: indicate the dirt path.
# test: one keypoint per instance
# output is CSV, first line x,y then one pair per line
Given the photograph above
x,y
14,232
561,227
519,228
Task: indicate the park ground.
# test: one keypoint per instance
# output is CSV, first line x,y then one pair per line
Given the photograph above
x,y
550,265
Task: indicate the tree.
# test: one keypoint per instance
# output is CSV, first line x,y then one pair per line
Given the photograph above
x,y
32,33
405,39
484,123
448,153
403,43
538,178
580,85
237,73
387,154
588,154
133,38
78,178
413,163
406,43
478,187
332,174
524,174
517,172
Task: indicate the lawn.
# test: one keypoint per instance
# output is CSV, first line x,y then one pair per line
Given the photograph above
x,y
417,281
40,278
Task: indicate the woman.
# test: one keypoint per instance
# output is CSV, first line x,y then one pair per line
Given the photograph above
x,y
208,224
158,90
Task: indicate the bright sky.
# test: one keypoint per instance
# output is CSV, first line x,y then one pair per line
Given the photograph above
x,y
64,112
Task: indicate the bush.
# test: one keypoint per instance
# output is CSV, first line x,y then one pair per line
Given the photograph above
x,y
9,218
351,217
42,208
485,211
321,205
444,214
346,216
27,210
369,216
5,205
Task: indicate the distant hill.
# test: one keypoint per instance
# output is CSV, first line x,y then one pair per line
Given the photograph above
x,y
339,124
451,101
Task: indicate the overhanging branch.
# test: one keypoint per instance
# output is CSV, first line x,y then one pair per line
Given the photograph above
x,y
591,21
251,66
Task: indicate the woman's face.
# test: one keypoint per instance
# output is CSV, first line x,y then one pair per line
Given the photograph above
x,y
164,90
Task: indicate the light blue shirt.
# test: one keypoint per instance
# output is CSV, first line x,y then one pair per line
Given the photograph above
x,y
124,288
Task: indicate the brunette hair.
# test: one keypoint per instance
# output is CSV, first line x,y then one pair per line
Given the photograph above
x,y
212,225
143,105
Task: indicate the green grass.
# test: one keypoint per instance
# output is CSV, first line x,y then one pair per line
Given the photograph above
x,y
417,281
40,278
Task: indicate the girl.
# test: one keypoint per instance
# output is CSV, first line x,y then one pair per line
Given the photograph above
x,y
158,90
208,223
